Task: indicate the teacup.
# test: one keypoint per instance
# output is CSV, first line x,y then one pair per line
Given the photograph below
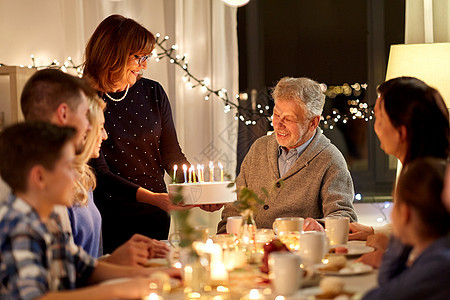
x,y
337,230
234,224
287,224
285,272
313,247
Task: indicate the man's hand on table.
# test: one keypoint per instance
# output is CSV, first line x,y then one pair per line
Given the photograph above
x,y
359,232
312,225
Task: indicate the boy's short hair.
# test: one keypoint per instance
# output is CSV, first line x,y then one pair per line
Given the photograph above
x,y
25,145
47,89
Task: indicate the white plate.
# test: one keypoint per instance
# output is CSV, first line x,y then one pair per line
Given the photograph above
x,y
350,270
354,248
338,273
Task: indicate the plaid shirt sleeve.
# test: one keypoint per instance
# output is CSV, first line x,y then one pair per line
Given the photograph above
x,y
23,257
84,264
36,258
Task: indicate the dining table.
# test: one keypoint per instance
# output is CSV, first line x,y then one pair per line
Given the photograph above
x,y
250,283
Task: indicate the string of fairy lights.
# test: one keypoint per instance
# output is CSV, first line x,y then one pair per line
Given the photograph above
x,y
357,109
242,113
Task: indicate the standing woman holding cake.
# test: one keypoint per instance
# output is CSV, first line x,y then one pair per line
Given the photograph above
x,y
131,194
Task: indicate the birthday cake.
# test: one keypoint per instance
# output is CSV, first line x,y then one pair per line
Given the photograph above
x,y
204,193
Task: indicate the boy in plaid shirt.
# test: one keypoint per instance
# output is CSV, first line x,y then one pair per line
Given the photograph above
x,y
36,257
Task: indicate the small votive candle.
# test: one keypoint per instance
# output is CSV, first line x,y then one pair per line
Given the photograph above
x,y
254,294
175,168
234,259
221,171
211,171
218,271
185,175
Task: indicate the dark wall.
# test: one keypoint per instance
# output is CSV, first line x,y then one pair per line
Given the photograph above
x,y
325,40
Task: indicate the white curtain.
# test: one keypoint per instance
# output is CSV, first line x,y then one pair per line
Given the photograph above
x,y
203,29
206,31
427,21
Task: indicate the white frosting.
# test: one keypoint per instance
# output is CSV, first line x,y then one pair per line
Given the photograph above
x,y
205,192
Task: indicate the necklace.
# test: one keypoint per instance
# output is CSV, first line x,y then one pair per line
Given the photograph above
x,y
120,99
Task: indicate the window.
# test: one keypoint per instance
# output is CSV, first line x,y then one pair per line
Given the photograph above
x,y
344,44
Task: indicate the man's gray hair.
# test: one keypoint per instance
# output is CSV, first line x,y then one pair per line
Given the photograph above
x,y
304,91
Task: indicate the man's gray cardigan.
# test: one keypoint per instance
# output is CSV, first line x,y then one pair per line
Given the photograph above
x,y
317,185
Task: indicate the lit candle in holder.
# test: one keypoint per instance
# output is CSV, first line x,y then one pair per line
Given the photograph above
x,y
221,171
211,171
184,171
218,271
175,168
254,294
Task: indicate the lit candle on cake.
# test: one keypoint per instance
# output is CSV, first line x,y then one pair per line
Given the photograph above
x,y
194,180
211,171
199,173
202,174
184,171
191,174
221,171
175,167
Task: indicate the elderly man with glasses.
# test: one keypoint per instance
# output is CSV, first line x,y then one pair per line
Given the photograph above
x,y
305,175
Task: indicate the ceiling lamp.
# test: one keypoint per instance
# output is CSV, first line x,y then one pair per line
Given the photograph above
x,y
236,3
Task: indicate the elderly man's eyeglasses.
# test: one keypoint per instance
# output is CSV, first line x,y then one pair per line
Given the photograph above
x,y
141,59
286,120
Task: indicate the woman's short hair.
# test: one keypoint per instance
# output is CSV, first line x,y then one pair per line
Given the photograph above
x,y
410,102
306,92
420,186
110,46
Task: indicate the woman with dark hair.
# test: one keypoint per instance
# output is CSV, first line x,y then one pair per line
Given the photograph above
x,y
411,121
418,117
131,193
420,221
